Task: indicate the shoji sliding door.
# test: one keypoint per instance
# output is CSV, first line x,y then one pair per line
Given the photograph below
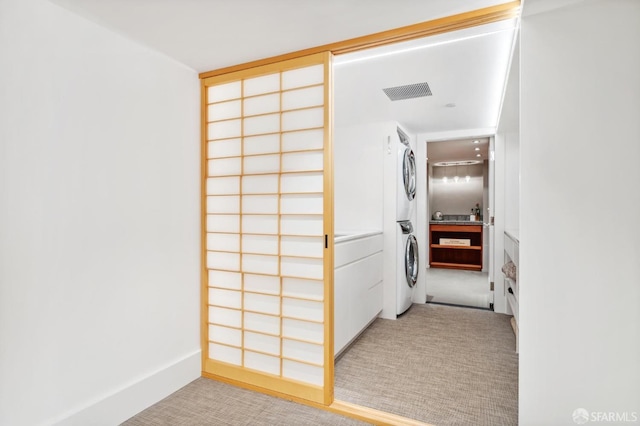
x,y
268,228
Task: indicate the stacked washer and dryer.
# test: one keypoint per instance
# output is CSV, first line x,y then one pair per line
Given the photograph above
x,y
407,266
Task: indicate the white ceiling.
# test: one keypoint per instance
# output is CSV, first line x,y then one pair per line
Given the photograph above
x,y
211,34
466,68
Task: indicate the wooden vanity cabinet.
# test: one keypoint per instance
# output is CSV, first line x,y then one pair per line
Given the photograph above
x,y
454,256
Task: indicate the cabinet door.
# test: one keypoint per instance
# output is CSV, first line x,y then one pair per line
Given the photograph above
x,y
267,215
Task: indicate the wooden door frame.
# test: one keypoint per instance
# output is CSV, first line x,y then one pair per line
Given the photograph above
x,y
282,385
509,10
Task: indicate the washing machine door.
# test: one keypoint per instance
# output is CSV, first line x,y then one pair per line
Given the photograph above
x,y
411,261
409,173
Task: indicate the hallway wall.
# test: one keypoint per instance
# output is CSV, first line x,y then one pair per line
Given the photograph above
x,y
99,246
358,194
579,293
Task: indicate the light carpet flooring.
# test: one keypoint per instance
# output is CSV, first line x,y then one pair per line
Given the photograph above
x,y
457,287
437,364
211,403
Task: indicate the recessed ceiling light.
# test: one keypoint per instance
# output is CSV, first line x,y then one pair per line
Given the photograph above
x,y
477,148
451,105
476,141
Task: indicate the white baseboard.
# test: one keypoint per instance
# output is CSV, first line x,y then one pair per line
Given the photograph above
x,y
134,397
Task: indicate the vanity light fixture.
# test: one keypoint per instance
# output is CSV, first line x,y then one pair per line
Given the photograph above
x,y
467,177
465,171
477,148
476,141
478,155
440,171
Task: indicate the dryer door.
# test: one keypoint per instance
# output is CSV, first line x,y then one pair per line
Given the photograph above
x,y
409,173
411,267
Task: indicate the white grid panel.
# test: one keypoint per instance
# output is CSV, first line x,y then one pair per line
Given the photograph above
x,y
264,223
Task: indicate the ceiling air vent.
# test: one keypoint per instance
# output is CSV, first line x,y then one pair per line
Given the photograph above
x,y
409,91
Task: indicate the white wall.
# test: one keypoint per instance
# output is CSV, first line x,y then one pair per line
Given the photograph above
x,y
506,160
390,225
457,198
429,184
99,246
486,248
497,239
512,181
421,224
579,150
358,177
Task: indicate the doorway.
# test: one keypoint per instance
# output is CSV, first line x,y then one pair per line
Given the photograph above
x,y
458,194
365,109
365,112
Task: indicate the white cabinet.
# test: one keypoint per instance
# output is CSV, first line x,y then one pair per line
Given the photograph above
x,y
357,286
511,286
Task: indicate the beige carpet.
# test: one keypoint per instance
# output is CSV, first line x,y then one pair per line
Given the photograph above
x,y
207,402
438,364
